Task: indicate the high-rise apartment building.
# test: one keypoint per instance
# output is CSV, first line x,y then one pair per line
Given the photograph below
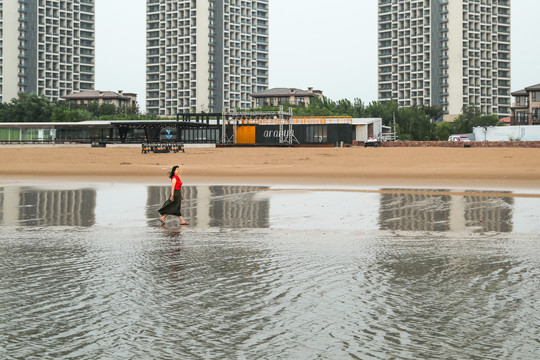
x,y
46,47
447,53
205,55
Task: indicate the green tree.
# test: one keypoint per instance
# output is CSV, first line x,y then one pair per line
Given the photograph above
x,y
316,107
443,130
413,124
107,109
131,110
92,107
62,114
435,113
463,124
385,111
28,108
486,120
344,108
471,117
5,112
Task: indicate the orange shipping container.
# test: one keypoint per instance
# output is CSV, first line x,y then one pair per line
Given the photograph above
x,y
245,135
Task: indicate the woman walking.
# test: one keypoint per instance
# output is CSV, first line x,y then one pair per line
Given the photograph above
x,y
173,205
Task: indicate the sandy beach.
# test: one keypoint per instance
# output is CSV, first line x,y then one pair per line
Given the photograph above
x,y
473,168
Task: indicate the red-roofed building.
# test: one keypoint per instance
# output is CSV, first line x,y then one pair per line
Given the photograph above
x,y
507,120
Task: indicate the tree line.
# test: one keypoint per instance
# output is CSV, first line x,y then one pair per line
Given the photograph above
x,y
34,108
420,123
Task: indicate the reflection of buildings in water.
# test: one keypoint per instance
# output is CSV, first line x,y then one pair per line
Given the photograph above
x,y
157,195
429,212
215,206
2,195
235,206
414,212
489,213
9,200
49,207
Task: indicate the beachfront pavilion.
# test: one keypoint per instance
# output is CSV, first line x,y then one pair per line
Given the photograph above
x,y
53,132
115,131
231,128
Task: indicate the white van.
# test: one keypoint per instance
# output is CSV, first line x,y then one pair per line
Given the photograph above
x,y
458,138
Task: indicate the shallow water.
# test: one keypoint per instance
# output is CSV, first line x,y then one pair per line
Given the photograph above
x,y
268,273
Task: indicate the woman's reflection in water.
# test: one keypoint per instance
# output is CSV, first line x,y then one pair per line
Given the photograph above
x,y
174,251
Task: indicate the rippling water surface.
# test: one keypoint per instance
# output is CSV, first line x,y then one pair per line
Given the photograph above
x,y
268,273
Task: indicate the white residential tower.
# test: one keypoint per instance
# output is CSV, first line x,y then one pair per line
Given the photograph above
x,y
46,47
205,55
447,53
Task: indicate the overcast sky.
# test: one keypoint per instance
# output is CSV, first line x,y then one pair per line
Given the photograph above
x,y
331,48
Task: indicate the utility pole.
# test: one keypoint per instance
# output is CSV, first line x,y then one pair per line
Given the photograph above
x,y
395,132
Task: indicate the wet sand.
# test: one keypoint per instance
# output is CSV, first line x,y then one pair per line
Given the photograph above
x,y
471,168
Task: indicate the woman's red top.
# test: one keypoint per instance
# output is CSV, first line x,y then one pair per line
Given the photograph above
x,y
178,184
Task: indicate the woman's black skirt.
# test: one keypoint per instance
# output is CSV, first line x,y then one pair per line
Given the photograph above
x,y
172,207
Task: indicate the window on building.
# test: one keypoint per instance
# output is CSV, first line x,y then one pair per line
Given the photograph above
x,y
261,102
316,133
283,100
535,113
522,101
535,96
522,117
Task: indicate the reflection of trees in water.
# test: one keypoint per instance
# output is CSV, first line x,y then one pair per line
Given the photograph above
x,y
157,195
235,206
414,212
429,212
58,207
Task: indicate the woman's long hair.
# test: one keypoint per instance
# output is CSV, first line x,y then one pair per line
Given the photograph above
x,y
173,170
